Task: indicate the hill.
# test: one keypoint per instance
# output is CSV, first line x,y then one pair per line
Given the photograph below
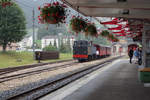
x,y
27,6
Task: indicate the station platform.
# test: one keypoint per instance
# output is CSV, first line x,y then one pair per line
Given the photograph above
x,y
116,81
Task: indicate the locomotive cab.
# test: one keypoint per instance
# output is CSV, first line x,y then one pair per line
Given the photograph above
x,y
83,50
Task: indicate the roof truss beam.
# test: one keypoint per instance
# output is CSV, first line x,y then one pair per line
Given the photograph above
x,y
113,5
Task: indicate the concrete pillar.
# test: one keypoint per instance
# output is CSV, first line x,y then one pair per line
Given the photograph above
x,y
146,46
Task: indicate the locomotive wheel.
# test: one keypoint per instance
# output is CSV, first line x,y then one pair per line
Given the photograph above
x,y
79,60
89,58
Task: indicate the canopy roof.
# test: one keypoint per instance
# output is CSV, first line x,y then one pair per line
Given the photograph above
x,y
134,13
113,8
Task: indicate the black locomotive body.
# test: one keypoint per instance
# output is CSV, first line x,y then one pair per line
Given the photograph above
x,y
84,51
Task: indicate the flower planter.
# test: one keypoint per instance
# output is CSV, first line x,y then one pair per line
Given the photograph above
x,y
112,38
5,3
144,75
78,24
91,30
46,55
52,13
52,22
104,33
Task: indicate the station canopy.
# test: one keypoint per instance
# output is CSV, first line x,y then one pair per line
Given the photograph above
x,y
134,12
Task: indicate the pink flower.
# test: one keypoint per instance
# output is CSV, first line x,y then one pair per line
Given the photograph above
x,y
49,5
54,3
53,14
39,8
57,3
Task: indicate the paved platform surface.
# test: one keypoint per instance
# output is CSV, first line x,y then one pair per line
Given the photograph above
x,y
119,81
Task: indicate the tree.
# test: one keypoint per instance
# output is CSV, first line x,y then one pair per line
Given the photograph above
x,y
51,30
69,45
50,48
12,25
50,44
62,48
38,44
65,47
55,44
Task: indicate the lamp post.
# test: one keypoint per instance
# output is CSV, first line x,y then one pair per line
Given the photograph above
x,y
33,45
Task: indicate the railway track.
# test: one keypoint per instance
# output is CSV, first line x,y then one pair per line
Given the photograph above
x,y
21,75
13,69
42,90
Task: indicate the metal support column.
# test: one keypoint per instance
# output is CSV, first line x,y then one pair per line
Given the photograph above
x,y
146,45
33,45
144,48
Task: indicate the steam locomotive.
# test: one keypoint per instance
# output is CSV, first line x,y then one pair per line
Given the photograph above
x,y
85,51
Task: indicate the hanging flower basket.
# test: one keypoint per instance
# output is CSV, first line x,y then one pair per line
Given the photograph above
x,y
52,13
78,24
116,40
91,30
112,38
5,3
104,33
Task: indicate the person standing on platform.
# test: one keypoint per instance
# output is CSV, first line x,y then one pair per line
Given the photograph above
x,y
140,56
130,54
136,54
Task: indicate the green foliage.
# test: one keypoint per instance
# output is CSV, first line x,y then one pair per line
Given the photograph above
x,y
52,30
55,44
69,45
52,13
42,32
9,59
64,48
5,1
50,43
78,24
38,44
105,33
12,25
91,30
50,48
112,38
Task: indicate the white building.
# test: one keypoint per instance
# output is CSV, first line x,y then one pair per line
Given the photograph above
x,y
47,40
26,42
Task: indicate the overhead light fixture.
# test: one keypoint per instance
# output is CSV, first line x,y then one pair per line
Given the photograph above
x,y
121,0
125,11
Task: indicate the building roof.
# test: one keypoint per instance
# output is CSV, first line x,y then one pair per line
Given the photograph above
x,y
55,37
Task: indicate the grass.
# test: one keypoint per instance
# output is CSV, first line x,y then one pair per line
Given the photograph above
x,y
13,59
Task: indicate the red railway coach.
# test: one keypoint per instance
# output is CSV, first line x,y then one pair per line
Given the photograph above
x,y
98,50
108,51
84,51
120,50
102,51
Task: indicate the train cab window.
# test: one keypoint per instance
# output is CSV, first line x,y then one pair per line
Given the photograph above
x,y
81,43
89,43
75,43
86,43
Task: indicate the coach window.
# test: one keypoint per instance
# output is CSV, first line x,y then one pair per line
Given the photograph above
x,y
86,43
75,43
81,43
